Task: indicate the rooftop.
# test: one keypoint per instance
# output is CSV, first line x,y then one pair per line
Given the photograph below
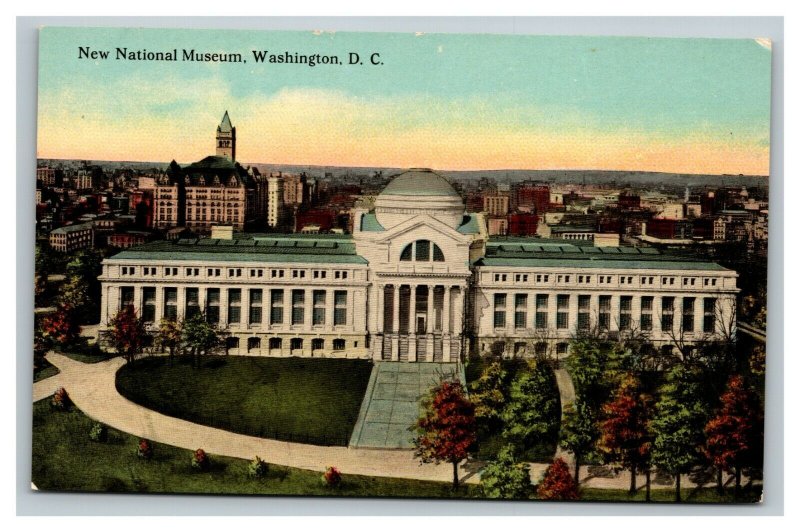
x,y
419,182
72,228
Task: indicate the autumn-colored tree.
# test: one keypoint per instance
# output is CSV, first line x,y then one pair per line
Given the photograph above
x,y
579,432
199,337
558,484
488,395
532,410
678,420
734,436
624,435
127,333
169,336
61,328
506,477
447,429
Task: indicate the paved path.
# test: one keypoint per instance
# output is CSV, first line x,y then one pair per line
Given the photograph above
x,y
92,388
566,392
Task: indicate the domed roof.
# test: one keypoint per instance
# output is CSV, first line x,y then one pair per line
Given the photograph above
x,y
419,182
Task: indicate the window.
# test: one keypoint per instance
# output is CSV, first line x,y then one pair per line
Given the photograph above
x,y
318,313
298,274
709,314
256,302
149,304
625,307
520,311
234,272
583,312
125,297
340,275
562,348
171,303
405,255
688,314
213,272
276,274
338,344
253,343
234,305
667,312
667,281
320,274
438,256
604,316
646,320
276,307
500,277
423,251
541,311
499,310
521,278
296,344
256,272
232,342
340,307
275,343
562,313
298,306
647,280
192,302
212,305
542,278
317,344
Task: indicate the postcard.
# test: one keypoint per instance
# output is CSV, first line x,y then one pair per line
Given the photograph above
x,y
409,265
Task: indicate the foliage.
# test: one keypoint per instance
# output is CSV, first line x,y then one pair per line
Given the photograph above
x,y
758,359
558,484
447,429
624,435
200,460
61,328
144,449
332,477
579,432
199,336
257,468
488,394
127,333
81,288
98,432
505,477
169,335
61,400
532,410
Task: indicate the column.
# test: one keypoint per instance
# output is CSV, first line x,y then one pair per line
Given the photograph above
x,y
446,324
245,312
181,302
351,313
412,329
430,321
159,304
330,303
223,305
395,322
137,299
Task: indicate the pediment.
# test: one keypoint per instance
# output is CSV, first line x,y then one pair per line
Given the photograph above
x,y
419,223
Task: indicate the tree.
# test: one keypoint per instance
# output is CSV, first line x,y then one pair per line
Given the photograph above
x,y
488,395
199,337
81,289
678,422
447,429
61,328
127,333
169,336
557,484
734,436
579,432
505,477
624,438
532,408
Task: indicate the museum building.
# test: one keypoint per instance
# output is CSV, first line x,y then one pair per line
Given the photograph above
x,y
418,280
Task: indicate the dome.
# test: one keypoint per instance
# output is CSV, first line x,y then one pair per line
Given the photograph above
x,y
419,182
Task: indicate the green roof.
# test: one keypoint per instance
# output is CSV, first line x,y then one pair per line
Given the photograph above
x,y
469,225
539,253
419,182
261,248
369,222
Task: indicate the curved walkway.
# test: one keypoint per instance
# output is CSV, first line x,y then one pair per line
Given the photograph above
x,y
92,388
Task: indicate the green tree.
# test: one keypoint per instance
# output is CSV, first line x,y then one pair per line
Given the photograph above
x,y
199,337
81,288
579,432
505,477
532,410
488,395
169,337
127,333
678,422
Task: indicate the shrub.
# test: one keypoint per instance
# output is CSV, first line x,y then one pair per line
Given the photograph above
x,y
98,433
61,400
506,477
257,468
200,460
145,449
332,477
558,484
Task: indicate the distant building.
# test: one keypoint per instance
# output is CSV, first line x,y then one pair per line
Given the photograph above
x,y
495,205
226,139
497,226
50,177
72,237
295,191
129,239
275,206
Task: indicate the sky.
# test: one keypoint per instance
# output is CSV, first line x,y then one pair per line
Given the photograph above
x,y
444,101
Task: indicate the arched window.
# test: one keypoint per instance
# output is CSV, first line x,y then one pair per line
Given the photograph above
x,y
421,252
438,256
406,253
275,343
253,343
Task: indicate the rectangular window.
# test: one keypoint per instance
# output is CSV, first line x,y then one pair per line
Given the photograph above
x,y
276,307
212,305
171,303
647,313
318,317
625,307
423,250
499,310
234,305
125,296
149,304
583,312
541,311
604,316
667,313
298,306
520,310
340,307
688,314
256,302
709,314
192,302
562,314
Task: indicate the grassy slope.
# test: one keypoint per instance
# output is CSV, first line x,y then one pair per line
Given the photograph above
x,y
283,398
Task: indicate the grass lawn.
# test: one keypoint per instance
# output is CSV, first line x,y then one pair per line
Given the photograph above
x,y
688,495
291,399
64,458
44,371
88,354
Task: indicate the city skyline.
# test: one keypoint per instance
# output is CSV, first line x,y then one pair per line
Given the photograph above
x,y
452,102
